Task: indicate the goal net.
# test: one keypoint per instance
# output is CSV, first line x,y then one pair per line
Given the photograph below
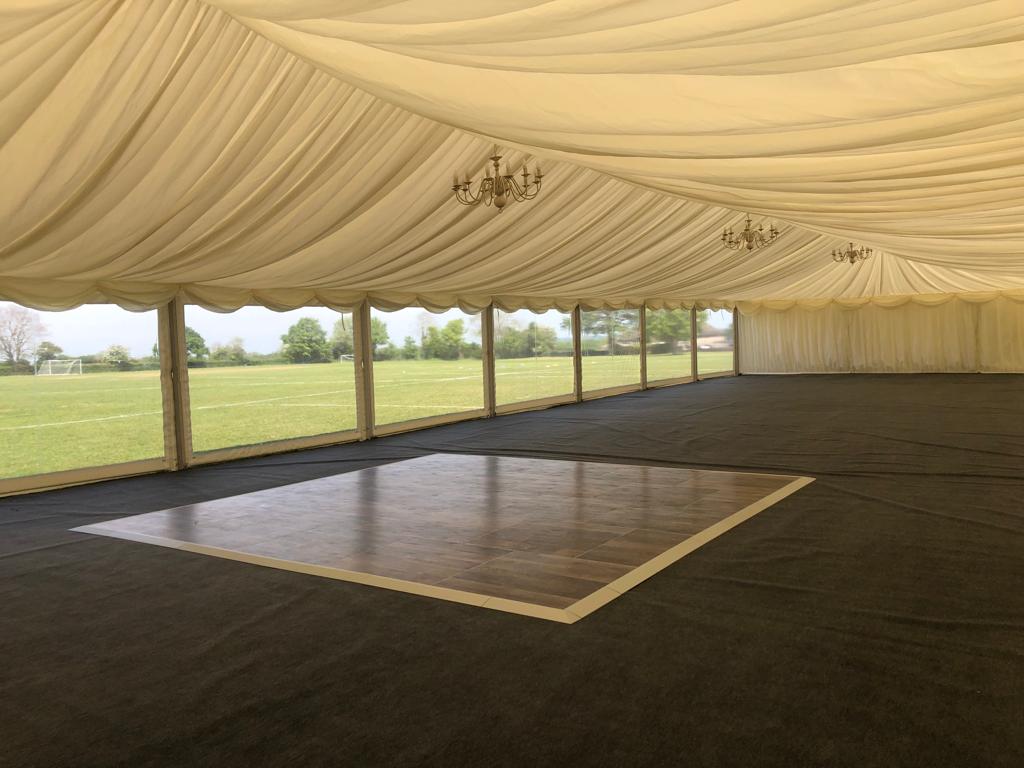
x,y
59,367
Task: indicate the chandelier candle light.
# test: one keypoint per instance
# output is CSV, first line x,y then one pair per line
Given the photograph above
x,y
851,254
749,238
501,188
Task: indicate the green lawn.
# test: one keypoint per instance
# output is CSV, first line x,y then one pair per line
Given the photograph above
x,y
48,423
51,423
714,362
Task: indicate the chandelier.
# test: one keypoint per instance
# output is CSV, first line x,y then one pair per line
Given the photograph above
x,y
749,238
851,254
501,188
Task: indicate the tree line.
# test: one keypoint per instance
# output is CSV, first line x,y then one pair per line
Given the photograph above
x,y
307,341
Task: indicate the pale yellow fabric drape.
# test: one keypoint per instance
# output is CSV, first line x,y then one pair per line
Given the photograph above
x,y
898,122
300,152
927,334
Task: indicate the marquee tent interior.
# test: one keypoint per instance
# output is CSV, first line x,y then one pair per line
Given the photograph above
x,y
167,154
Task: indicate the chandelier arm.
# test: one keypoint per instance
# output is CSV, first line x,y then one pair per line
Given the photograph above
x,y
512,186
466,197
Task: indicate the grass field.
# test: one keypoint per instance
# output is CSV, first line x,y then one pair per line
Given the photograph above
x,y
51,423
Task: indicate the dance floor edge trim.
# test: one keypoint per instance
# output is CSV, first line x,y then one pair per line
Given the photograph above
x,y
568,615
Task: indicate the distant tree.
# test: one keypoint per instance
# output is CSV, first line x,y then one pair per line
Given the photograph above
x,y
410,350
20,331
232,352
47,350
453,333
541,340
195,345
118,355
702,323
535,340
610,323
431,345
668,327
509,341
306,342
425,321
155,353
342,340
385,352
445,343
378,332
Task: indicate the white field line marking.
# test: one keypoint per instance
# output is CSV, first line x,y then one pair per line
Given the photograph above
x,y
396,382
534,374
268,400
208,384
151,413
461,406
350,406
83,421
108,389
413,381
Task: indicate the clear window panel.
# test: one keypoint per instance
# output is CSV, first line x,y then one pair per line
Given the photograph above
x,y
256,375
610,348
78,389
714,341
425,364
668,344
532,355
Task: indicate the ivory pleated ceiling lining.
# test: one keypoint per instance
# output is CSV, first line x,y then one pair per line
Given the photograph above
x,y
302,151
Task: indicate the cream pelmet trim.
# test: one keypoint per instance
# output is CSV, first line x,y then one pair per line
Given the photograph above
x,y
751,308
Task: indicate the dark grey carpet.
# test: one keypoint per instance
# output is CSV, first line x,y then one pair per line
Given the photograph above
x,y
875,618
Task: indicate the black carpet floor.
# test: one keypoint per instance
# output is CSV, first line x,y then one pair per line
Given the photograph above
x,y
875,618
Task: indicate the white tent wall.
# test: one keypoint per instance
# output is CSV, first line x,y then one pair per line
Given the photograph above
x,y
946,334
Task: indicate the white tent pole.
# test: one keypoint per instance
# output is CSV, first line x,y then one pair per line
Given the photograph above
x,y
577,352
487,353
693,342
174,384
363,356
735,342
643,345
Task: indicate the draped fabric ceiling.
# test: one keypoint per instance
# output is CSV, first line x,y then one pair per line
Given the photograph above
x,y
288,152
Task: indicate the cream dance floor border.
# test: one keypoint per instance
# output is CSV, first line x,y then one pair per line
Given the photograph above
x,y
544,538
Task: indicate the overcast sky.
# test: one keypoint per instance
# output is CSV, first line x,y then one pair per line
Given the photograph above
x,y
93,328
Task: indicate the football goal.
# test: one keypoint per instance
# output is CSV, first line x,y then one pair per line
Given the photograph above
x,y
58,367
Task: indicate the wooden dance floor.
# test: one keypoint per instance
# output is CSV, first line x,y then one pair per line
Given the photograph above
x,y
551,539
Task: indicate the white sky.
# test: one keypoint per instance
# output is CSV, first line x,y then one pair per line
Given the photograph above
x,y
92,328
